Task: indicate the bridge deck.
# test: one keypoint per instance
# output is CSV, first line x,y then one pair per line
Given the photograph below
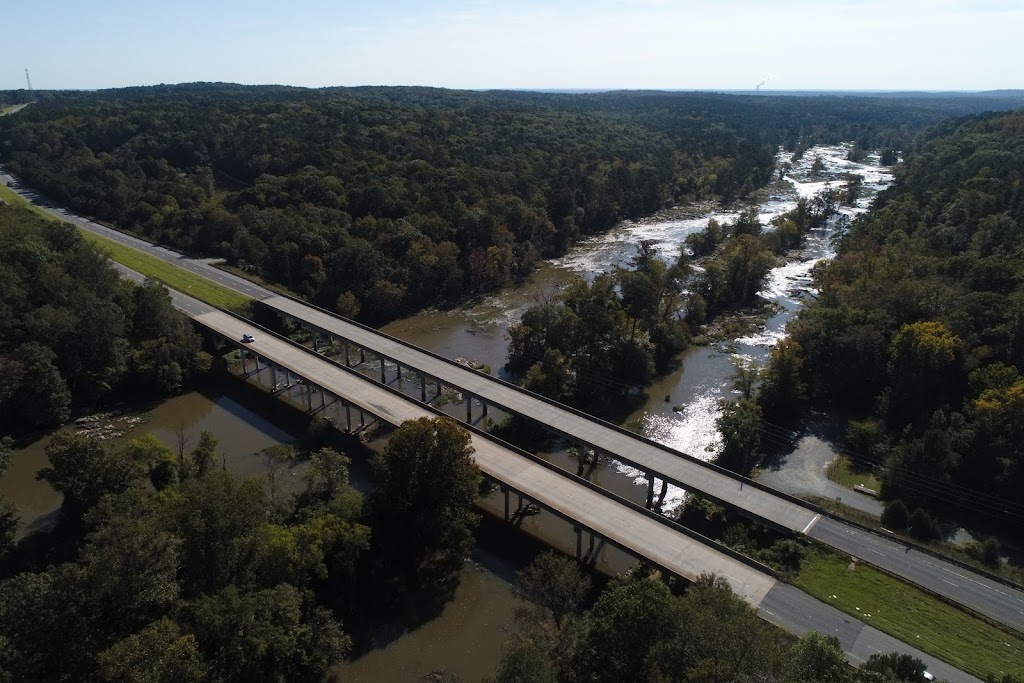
x,y
682,471
625,527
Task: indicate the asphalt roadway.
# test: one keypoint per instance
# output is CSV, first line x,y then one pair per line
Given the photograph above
x,y
780,604
987,597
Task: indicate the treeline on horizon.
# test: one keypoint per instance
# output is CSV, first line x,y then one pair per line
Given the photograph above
x,y
377,201
925,306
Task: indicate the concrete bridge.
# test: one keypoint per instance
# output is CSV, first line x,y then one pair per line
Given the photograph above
x,y
592,511
762,504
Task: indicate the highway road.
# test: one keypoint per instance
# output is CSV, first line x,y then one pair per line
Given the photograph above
x,y
625,526
987,597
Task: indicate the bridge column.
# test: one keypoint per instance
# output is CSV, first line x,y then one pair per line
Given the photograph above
x,y
504,489
309,395
323,397
398,368
348,417
483,407
273,377
423,387
650,490
661,495
383,370
590,548
348,363
362,418
469,407
581,457
579,542
245,362
362,355
593,464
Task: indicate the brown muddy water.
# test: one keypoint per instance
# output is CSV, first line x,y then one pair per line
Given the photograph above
x,y
465,638
220,408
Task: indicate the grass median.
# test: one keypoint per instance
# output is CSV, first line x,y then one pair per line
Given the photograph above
x,y
169,274
914,616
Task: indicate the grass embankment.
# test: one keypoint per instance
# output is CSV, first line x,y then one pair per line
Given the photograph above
x,y
169,274
915,617
843,472
150,266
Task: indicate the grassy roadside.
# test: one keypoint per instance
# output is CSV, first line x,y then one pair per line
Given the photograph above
x,y
150,266
15,199
915,617
843,472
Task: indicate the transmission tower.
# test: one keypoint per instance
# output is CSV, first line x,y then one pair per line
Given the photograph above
x,y
28,80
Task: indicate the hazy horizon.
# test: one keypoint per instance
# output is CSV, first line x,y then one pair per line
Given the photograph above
x,y
789,45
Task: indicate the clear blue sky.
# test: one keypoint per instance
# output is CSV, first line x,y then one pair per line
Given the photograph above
x,y
706,44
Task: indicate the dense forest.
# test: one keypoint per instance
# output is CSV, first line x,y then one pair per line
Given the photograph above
x,y
377,201
925,305
74,332
164,567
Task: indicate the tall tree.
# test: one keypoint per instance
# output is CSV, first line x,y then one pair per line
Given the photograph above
x,y
427,482
553,582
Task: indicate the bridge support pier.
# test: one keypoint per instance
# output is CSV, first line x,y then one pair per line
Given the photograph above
x,y
348,417
469,408
273,377
309,396
593,465
245,362
650,490
579,542
504,490
398,368
348,361
423,387
661,495
383,370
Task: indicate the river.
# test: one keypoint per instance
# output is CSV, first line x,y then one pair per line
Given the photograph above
x,y
686,421
466,637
